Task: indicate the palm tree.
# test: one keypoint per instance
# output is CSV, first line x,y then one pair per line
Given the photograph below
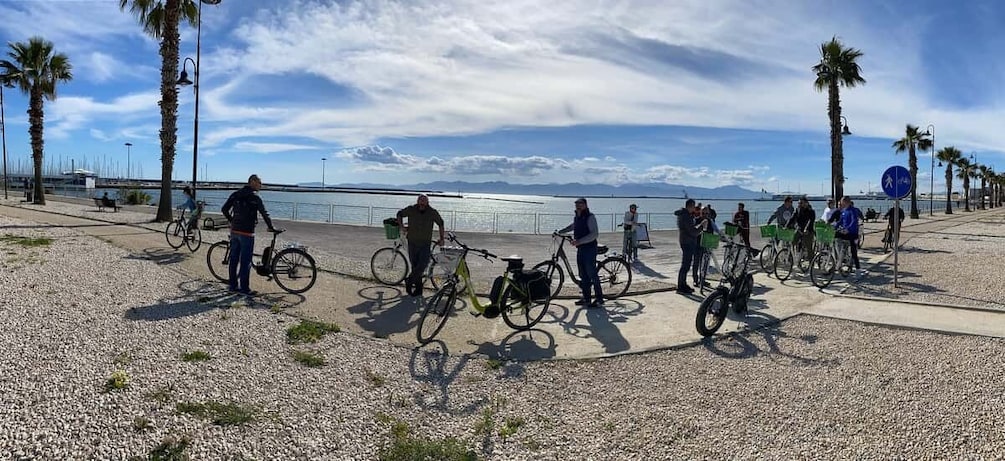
x,y
160,20
951,157
965,171
912,141
982,173
837,67
35,69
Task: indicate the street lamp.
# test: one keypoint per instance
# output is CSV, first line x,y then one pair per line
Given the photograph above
x,y
845,131
323,173
129,170
970,195
930,131
184,81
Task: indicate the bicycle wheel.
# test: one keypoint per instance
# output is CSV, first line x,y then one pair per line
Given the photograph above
x,y
703,270
887,241
435,313
174,234
615,277
804,261
218,260
521,313
767,258
294,270
822,269
783,264
194,239
389,266
711,313
555,276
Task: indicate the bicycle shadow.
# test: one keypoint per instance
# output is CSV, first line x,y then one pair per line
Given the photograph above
x,y
526,345
433,366
386,310
196,297
160,256
738,344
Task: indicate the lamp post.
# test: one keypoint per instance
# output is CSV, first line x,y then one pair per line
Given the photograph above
x,y
845,131
129,171
970,195
930,131
183,81
323,173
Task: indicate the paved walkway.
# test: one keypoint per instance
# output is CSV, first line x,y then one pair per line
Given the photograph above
x,y
650,317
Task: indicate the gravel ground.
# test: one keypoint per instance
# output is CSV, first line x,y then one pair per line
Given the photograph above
x,y
950,266
807,388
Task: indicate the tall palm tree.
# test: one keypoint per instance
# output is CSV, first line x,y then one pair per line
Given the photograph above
x,y
160,19
951,157
838,67
965,170
36,70
913,140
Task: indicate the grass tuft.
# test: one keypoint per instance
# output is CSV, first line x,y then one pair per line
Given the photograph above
x,y
222,414
26,241
309,331
117,382
308,359
196,356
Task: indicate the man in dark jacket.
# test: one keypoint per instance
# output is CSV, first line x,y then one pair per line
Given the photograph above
x,y
687,236
584,234
421,218
242,209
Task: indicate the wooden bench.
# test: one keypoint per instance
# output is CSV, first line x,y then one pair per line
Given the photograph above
x,y
103,203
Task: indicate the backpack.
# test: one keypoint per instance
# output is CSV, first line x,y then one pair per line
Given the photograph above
x,y
535,283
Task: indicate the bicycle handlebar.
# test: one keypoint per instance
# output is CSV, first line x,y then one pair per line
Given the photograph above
x,y
481,252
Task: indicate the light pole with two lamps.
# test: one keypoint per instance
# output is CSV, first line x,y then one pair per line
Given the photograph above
x,y
184,81
930,131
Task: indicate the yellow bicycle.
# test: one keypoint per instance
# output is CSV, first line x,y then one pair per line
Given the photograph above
x,y
522,297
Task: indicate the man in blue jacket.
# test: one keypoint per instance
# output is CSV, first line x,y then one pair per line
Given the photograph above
x,y
242,209
584,238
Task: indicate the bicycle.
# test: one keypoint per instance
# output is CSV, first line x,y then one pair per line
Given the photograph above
x,y
630,245
179,233
615,273
521,297
733,292
292,268
708,242
889,238
792,254
835,256
390,265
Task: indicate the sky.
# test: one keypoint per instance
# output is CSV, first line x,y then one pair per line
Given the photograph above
x,y
701,93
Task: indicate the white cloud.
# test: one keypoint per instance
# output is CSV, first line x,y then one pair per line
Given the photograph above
x,y
270,148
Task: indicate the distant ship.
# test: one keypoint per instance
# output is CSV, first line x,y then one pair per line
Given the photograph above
x,y
766,197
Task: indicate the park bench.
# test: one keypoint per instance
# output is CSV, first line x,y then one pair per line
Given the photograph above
x,y
103,203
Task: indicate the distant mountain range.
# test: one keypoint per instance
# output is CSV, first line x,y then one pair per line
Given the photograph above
x,y
562,190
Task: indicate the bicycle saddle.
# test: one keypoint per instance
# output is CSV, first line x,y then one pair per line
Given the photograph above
x,y
513,262
601,249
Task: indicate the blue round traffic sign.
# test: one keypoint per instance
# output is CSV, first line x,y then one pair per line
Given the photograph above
x,y
896,182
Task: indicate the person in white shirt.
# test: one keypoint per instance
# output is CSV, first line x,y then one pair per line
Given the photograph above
x,y
826,216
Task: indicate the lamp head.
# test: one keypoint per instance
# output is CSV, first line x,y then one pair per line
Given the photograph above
x,y
183,78
845,131
212,2
940,163
129,144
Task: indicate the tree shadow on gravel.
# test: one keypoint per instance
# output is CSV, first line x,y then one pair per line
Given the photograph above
x,y
738,345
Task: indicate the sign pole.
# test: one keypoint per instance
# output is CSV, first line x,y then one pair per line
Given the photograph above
x,y
896,238
897,184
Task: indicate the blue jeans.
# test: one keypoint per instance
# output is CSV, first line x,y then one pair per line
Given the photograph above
x,y
242,247
586,260
688,252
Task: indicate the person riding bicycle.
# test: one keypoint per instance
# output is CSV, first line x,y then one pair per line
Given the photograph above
x,y
848,228
783,214
889,223
421,218
191,206
242,209
584,233
803,220
631,241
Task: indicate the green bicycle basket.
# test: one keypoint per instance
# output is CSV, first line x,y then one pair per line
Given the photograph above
x,y
709,241
786,235
825,234
391,229
768,231
731,229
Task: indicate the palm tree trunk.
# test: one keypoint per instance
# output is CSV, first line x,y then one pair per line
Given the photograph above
x,y
169,104
35,119
837,146
912,163
966,194
982,193
949,188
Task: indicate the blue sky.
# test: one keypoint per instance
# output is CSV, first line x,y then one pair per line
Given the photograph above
x,y
701,93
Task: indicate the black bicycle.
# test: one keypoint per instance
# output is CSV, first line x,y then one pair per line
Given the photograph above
x,y
614,272
292,268
735,287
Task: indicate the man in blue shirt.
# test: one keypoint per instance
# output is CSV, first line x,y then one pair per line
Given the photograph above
x,y
847,227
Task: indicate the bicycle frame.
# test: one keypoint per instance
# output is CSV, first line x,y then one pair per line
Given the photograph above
x,y
463,274
559,254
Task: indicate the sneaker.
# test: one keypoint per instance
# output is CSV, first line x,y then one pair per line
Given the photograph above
x,y
248,292
705,284
582,302
597,304
685,290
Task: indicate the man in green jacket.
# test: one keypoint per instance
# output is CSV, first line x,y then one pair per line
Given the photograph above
x,y
419,233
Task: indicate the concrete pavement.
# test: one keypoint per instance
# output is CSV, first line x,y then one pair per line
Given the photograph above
x,y
650,317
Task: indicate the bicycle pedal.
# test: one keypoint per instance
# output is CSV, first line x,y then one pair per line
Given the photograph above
x,y
474,313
